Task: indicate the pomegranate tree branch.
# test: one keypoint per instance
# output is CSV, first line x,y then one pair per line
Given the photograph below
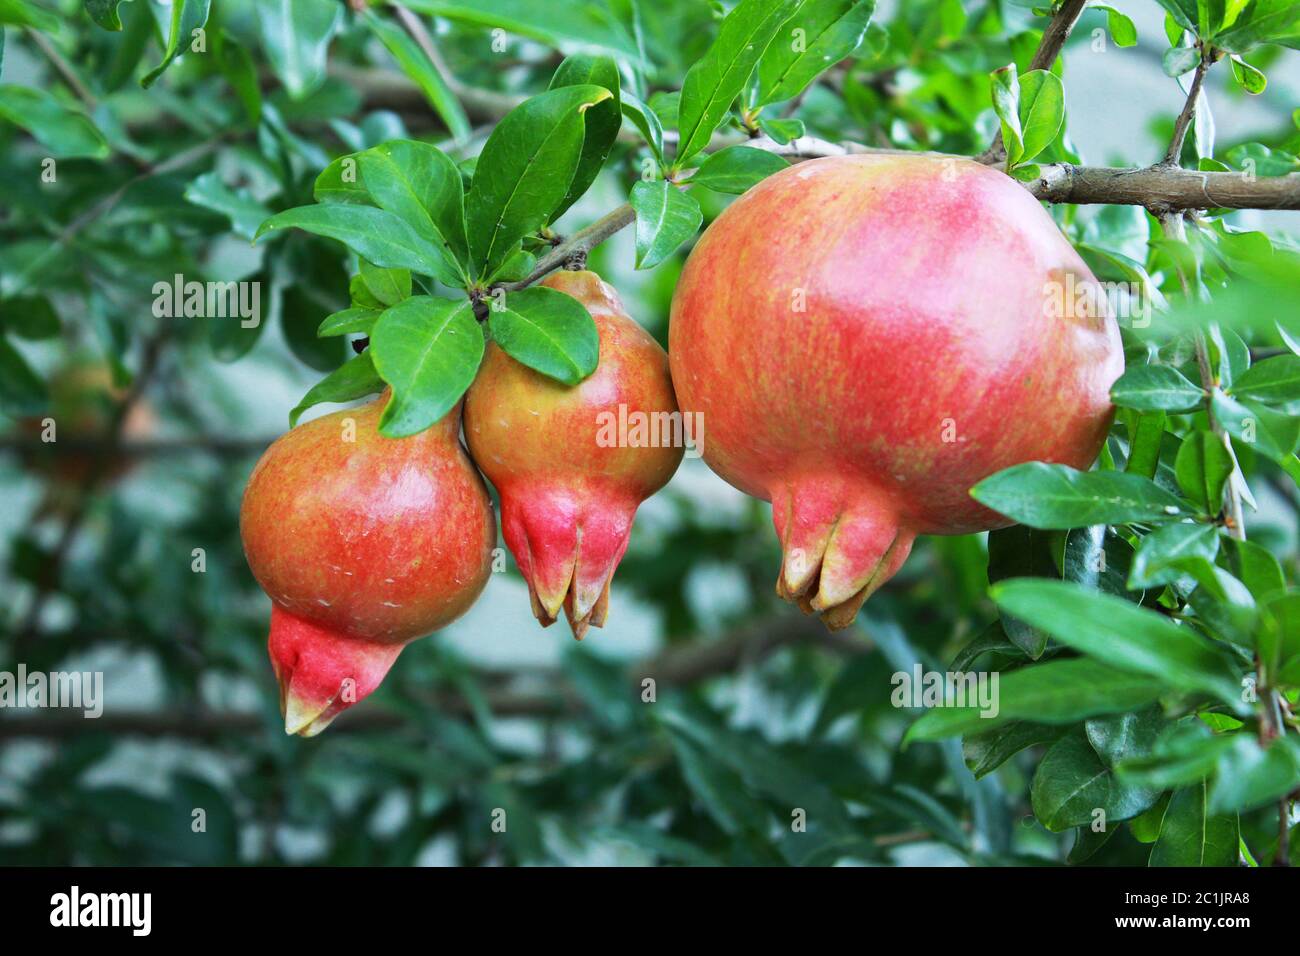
x,y
1049,47
1189,110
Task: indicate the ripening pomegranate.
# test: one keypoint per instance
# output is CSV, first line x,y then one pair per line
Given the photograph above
x,y
363,544
867,337
570,481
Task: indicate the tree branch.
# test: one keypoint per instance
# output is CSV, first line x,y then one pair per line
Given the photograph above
x,y
1184,120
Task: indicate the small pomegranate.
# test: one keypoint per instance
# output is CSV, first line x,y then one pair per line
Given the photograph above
x,y
867,337
569,482
363,544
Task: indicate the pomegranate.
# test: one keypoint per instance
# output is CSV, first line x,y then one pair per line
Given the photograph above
x,y
569,482
363,544
866,337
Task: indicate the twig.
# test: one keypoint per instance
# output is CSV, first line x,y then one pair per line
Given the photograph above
x,y
1184,120
65,70
579,244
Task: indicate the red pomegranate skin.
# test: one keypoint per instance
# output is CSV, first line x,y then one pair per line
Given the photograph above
x,y
569,494
362,545
866,338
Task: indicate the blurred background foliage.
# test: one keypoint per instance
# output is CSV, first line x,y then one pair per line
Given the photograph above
x,y
758,711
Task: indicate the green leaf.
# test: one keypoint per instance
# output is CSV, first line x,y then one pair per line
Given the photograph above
x,y
645,120
353,320
1072,784
23,13
237,66
355,378
1263,21
1052,692
1248,77
602,120
64,131
373,234
421,185
665,218
586,25
1148,435
1057,496
417,66
1121,28
1098,558
818,35
103,12
1251,776
1122,635
737,168
296,38
1178,60
715,80
1203,467
1256,568
21,391
428,349
1021,551
524,171
1004,87
1164,555
29,317
244,212
1042,111
1156,387
388,286
1274,381
187,16
1269,432
1185,753
1191,836
985,751
1125,736
340,181
782,131
547,330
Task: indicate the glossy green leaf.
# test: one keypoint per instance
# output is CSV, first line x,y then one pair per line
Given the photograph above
x,y
1192,836
103,12
418,67
1053,692
737,168
1121,28
818,35
66,132
388,286
524,171
373,234
1042,111
585,25
1122,635
23,13
186,17
1203,467
1274,381
1057,496
296,37
1271,433
421,185
547,330
244,212
1163,555
602,121
645,120
428,349
715,80
355,378
1156,387
1072,784
665,218
357,319
1004,87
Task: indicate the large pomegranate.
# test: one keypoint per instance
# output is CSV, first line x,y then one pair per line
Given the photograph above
x,y
363,544
866,338
569,470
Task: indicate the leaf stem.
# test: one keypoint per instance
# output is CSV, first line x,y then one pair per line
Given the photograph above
x,y
1184,121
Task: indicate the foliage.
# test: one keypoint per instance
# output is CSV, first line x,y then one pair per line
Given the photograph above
x,y
1148,655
